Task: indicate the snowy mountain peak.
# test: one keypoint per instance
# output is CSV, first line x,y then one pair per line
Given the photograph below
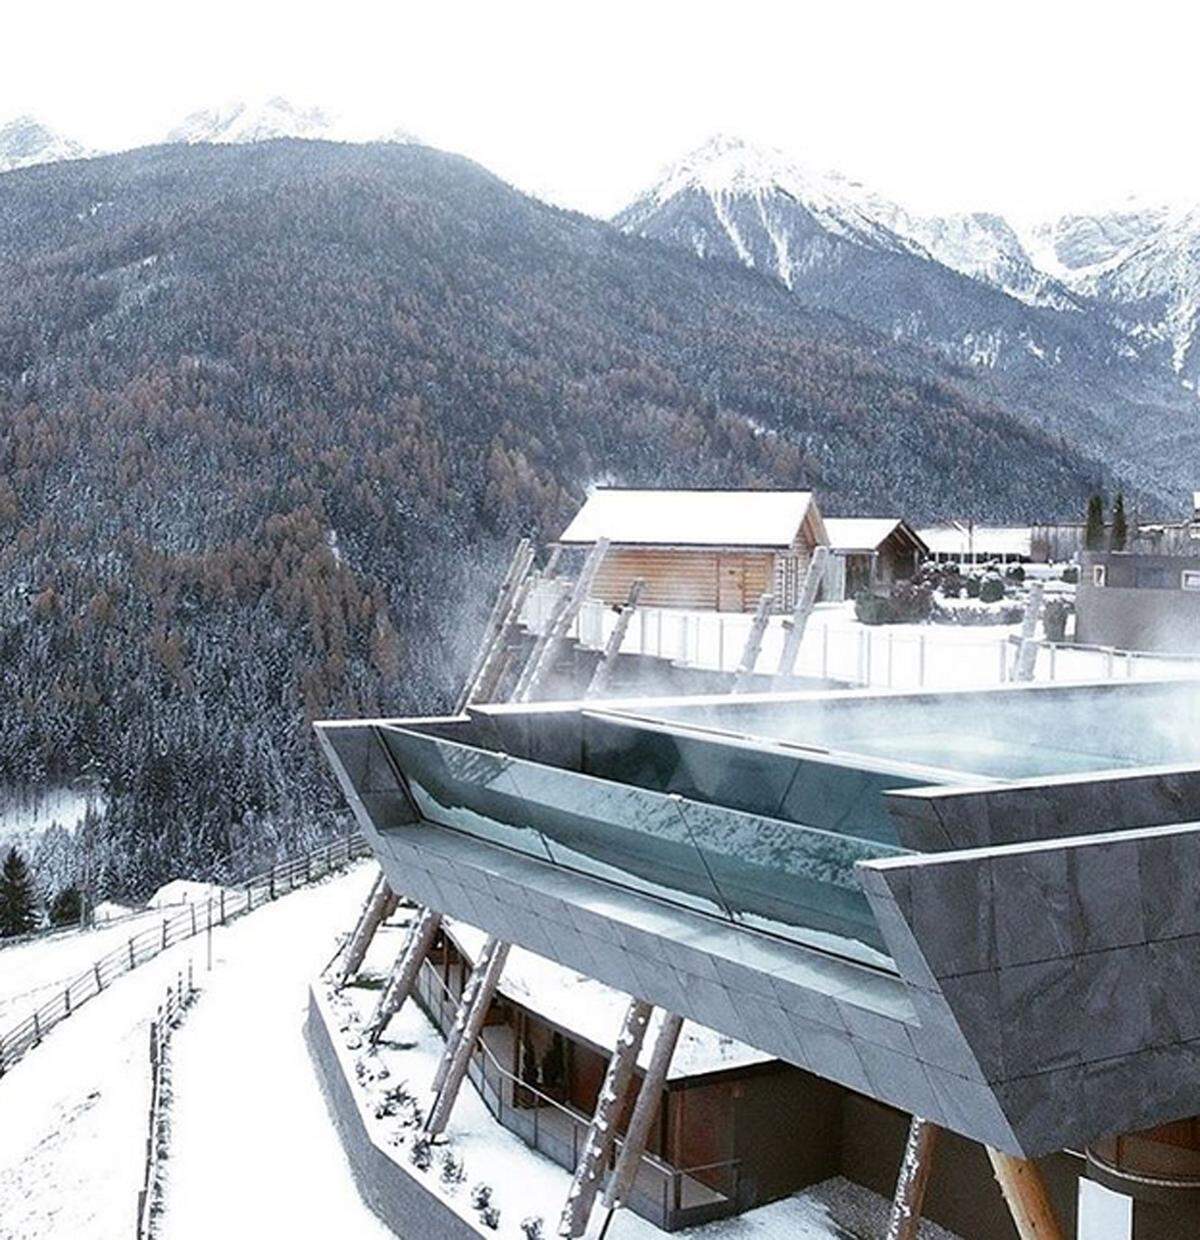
x,y
726,168
25,141
242,121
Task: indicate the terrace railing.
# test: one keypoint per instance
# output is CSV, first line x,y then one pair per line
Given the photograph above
x,y
669,1197
938,656
192,919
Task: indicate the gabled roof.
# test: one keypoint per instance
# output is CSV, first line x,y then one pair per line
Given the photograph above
x,y
868,533
693,518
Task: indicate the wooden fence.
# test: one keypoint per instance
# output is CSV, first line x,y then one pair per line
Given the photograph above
x,y
192,919
170,1012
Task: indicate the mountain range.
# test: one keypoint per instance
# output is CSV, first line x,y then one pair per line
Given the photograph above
x,y
1087,323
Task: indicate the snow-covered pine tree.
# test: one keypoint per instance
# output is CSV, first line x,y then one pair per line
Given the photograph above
x,y
18,896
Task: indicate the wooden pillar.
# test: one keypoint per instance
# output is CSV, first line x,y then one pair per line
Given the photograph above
x,y
1025,1193
604,669
404,973
804,605
905,1220
468,1021
1025,660
754,639
505,612
645,1109
380,905
546,652
602,1130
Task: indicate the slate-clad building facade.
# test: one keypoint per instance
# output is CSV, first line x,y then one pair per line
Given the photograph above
x,y
979,907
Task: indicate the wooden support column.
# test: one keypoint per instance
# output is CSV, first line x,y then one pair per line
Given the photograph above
x,y
905,1220
645,1110
380,905
404,973
545,653
1025,659
1025,1193
754,640
496,632
804,605
468,1021
604,669
557,609
602,1130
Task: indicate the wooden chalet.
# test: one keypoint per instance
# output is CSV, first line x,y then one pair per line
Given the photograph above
x,y
703,550
869,552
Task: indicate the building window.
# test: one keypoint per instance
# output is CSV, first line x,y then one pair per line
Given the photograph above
x,y
1190,579
1099,573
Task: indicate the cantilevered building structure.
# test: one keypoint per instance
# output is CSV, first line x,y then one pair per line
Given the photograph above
x,y
980,909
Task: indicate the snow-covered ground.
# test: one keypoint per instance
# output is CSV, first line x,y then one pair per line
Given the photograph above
x,y
254,1152
73,1136
32,972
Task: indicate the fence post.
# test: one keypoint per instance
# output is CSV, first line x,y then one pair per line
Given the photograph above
x,y
249,897
1108,663
193,910
1053,660
37,1030
67,1001
272,882
164,933
132,960
96,971
1003,649
222,906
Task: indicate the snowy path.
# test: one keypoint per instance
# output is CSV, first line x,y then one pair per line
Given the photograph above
x,y
253,1149
73,1136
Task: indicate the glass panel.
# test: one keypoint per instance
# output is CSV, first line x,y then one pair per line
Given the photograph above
x,y
788,879
626,835
468,789
779,877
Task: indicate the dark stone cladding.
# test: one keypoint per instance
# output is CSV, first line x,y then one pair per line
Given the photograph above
x,y
388,1187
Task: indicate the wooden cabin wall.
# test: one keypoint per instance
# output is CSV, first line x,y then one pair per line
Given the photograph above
x,y
697,579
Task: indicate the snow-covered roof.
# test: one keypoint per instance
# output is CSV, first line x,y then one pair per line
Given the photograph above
x,y
956,538
593,1011
862,533
690,518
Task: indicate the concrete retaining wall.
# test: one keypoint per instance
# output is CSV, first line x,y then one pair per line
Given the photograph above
x,y
391,1190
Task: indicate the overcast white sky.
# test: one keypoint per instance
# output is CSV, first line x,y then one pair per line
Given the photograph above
x,y
1017,106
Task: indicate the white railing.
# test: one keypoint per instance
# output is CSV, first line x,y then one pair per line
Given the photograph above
x,y
837,648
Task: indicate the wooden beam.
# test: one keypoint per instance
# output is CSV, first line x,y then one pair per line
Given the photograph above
x,y
604,669
804,605
545,653
497,625
754,639
1025,1192
380,905
404,972
468,1021
1025,659
905,1220
602,1130
645,1110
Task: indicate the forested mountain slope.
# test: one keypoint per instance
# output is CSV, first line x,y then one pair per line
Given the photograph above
x,y
271,415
